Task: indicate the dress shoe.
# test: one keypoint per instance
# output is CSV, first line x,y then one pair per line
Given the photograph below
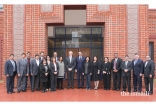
x,y
72,87
37,89
12,91
54,90
59,88
129,91
62,88
114,88
123,90
117,89
43,91
18,91
23,90
139,91
82,87
9,92
150,93
78,88
32,90
135,91
68,87
105,88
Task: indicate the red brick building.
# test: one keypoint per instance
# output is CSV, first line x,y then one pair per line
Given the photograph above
x,y
100,30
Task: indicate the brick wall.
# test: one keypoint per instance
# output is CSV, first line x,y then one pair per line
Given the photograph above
x,y
118,20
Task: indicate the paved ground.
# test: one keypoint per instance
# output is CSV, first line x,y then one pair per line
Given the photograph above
x,y
74,95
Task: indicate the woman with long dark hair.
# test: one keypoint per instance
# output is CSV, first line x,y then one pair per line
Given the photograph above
x,y
95,72
44,71
106,72
87,71
61,73
54,69
48,63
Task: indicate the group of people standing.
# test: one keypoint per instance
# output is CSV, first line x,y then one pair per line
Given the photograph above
x,y
50,72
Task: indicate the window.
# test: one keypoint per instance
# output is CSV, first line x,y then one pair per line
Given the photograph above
x,y
1,7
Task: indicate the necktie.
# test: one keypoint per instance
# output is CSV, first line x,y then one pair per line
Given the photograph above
x,y
146,63
135,62
13,64
70,59
126,64
115,64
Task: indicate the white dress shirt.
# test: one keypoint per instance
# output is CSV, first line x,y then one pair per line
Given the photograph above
x,y
37,61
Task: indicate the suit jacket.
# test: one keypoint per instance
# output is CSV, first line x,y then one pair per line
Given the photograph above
x,y
9,68
138,67
149,68
34,67
30,64
52,68
22,67
70,65
118,64
89,67
106,67
79,63
43,71
41,60
129,67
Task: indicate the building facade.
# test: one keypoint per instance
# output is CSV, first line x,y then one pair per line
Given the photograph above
x,y
100,30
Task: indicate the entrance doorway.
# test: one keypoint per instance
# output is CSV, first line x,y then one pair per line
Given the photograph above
x,y
85,51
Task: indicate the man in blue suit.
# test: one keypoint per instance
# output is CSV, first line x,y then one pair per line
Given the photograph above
x,y
79,67
10,72
137,65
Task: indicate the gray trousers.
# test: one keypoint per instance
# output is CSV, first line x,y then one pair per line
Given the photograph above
x,y
21,83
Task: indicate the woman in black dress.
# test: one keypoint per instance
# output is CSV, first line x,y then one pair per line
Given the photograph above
x,y
44,70
54,69
106,71
95,66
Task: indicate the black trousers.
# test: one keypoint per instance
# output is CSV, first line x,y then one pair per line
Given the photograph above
x,y
44,85
117,80
137,79
48,83
106,81
70,78
149,81
9,83
35,81
53,81
60,82
126,82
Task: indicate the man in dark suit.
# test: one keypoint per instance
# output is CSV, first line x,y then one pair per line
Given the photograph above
x,y
79,67
149,67
10,72
41,56
55,55
70,65
29,61
126,67
137,66
116,67
22,71
35,67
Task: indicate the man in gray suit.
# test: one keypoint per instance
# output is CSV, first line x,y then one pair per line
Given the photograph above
x,y
35,64
149,67
70,65
22,71
29,61
126,67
